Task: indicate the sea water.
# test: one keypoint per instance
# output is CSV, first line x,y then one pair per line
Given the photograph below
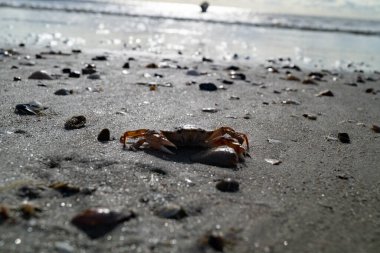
x,y
317,33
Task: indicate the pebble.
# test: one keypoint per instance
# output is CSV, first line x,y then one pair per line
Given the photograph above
x,y
308,81
40,75
151,66
32,108
208,86
63,92
75,122
74,74
375,128
97,222
227,82
94,77
171,211
104,135
76,51
228,185
273,141
272,70
291,77
209,109
290,102
234,98
30,192
232,68
215,240
100,58
63,247
126,65
65,189
273,161
326,93
17,79
310,116
66,70
237,76
192,72
29,210
344,138
204,59
89,69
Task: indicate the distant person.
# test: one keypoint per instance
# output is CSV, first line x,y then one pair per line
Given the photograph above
x,y
204,6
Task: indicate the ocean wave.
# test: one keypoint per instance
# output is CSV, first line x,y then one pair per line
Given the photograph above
x,y
191,13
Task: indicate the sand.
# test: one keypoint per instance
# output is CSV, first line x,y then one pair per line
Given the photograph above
x,y
322,197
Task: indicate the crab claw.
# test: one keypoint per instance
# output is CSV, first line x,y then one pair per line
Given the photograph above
x,y
158,141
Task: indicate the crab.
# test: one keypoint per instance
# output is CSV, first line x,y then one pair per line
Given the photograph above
x,y
222,146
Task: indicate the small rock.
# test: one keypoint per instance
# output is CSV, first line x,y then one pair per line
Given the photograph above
x,y
104,135
344,138
234,98
273,141
30,192
204,59
193,72
351,84
326,93
76,51
94,77
227,82
75,122
237,76
89,69
65,189
32,108
64,247
272,70
100,58
228,185
171,211
74,74
214,240
151,66
375,128
273,161
291,77
97,222
29,210
247,115
232,68
66,70
369,90
310,116
210,109
290,102
17,79
40,75
126,65
63,92
208,86
308,81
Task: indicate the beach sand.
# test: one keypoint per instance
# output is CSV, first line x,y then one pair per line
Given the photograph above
x,y
322,197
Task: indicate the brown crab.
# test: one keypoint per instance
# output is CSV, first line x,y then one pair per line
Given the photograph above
x,y
223,146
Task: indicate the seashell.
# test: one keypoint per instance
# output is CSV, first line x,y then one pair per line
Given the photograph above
x,y
40,75
326,93
75,122
273,161
97,222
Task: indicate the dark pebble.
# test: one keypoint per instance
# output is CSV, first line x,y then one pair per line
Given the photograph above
x,y
30,192
14,67
237,76
171,211
88,71
75,122
151,66
74,74
351,84
104,135
126,65
317,74
16,78
33,108
369,90
208,86
94,77
228,185
38,56
204,59
325,93
66,70
97,222
40,75
216,241
344,138
76,51
233,68
63,92
131,59
227,82
100,58
21,45
375,128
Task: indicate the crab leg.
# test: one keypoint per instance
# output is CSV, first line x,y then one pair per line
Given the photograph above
x,y
242,138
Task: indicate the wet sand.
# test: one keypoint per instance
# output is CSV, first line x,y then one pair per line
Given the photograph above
x,y
322,197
